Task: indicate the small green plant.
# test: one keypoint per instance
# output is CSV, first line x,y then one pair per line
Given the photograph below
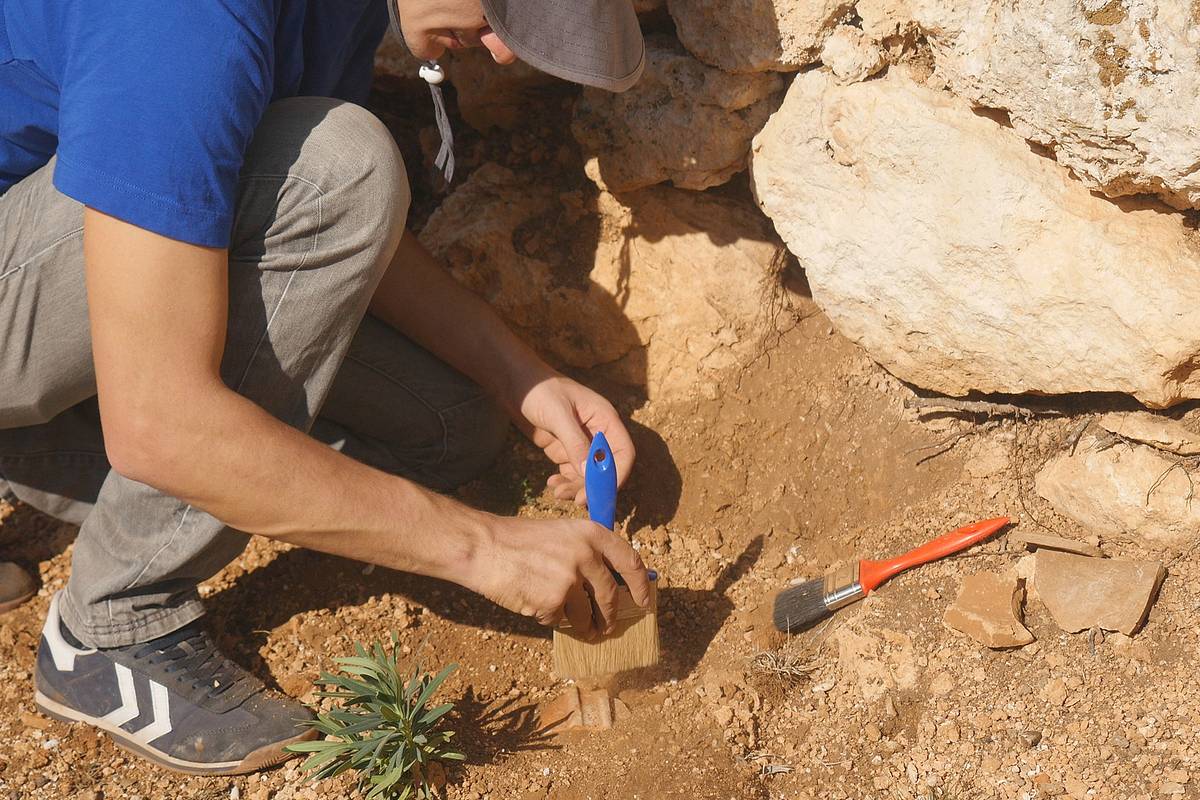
x,y
380,726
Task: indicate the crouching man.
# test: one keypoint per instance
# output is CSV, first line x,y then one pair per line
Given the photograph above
x,y
195,220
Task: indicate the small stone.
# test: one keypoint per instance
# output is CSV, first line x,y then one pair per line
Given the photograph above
x,y
297,684
872,732
1030,739
988,609
1170,787
1075,787
1081,592
942,684
948,732
35,721
1055,692
1034,541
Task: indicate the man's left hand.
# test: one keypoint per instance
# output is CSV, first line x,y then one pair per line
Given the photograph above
x,y
561,417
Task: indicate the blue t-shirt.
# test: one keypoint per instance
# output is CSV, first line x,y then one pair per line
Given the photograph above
x,y
150,104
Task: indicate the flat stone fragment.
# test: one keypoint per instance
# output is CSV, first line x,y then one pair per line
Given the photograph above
x,y
1124,492
1081,592
1037,541
988,609
581,709
1161,433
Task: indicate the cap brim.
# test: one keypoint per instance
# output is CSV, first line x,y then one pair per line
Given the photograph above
x,y
593,42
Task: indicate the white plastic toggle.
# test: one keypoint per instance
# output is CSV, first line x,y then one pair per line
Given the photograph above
x,y
432,73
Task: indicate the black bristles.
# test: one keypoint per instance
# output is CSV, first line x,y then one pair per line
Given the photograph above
x,y
799,607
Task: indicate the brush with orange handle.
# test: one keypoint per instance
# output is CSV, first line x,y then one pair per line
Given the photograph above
x,y
799,607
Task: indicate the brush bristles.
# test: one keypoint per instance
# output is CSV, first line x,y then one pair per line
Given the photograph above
x,y
800,607
633,645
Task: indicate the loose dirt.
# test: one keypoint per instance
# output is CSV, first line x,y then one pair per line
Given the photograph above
x,y
803,459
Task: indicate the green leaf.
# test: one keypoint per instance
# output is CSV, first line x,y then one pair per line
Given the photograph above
x,y
435,714
432,686
311,747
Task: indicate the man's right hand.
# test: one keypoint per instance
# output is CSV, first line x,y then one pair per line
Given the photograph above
x,y
555,569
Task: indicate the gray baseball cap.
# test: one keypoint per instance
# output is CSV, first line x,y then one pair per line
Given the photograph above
x,y
593,42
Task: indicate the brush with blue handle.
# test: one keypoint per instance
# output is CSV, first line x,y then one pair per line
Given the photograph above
x,y
634,642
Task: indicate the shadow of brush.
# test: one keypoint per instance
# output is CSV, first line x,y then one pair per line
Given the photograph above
x,y
688,621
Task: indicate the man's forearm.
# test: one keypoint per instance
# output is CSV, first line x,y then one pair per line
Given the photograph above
x,y
158,314
273,480
419,298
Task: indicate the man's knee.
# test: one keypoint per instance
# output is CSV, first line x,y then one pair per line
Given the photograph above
x,y
332,170
473,444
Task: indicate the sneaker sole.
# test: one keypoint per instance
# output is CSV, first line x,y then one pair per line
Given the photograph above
x,y
265,757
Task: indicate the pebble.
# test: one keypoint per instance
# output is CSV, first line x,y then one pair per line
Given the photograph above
x,y
1030,739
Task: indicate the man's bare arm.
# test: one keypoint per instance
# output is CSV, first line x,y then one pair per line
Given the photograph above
x,y
419,297
158,316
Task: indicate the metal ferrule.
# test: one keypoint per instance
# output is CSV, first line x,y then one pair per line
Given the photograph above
x,y
842,587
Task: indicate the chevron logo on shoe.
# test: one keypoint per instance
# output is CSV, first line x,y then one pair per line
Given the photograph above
x,y
63,653
160,707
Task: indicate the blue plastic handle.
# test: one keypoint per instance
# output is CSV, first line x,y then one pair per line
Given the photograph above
x,y
600,481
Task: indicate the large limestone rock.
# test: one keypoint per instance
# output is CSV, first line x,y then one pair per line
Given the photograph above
x,y
684,122
1125,492
1109,85
756,35
961,260
492,95
663,288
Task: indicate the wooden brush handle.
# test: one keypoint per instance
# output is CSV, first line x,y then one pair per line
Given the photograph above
x,y
873,573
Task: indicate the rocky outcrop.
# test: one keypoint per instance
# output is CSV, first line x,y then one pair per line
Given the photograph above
x,y
1109,86
756,35
662,288
851,55
961,260
684,122
491,95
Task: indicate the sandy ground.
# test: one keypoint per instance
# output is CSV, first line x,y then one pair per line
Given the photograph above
x,y
805,458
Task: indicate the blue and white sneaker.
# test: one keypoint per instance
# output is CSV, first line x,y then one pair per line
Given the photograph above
x,y
174,700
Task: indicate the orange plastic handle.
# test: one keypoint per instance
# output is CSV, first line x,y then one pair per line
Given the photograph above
x,y
873,573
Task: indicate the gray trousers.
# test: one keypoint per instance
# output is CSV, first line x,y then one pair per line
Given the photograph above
x,y
322,203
